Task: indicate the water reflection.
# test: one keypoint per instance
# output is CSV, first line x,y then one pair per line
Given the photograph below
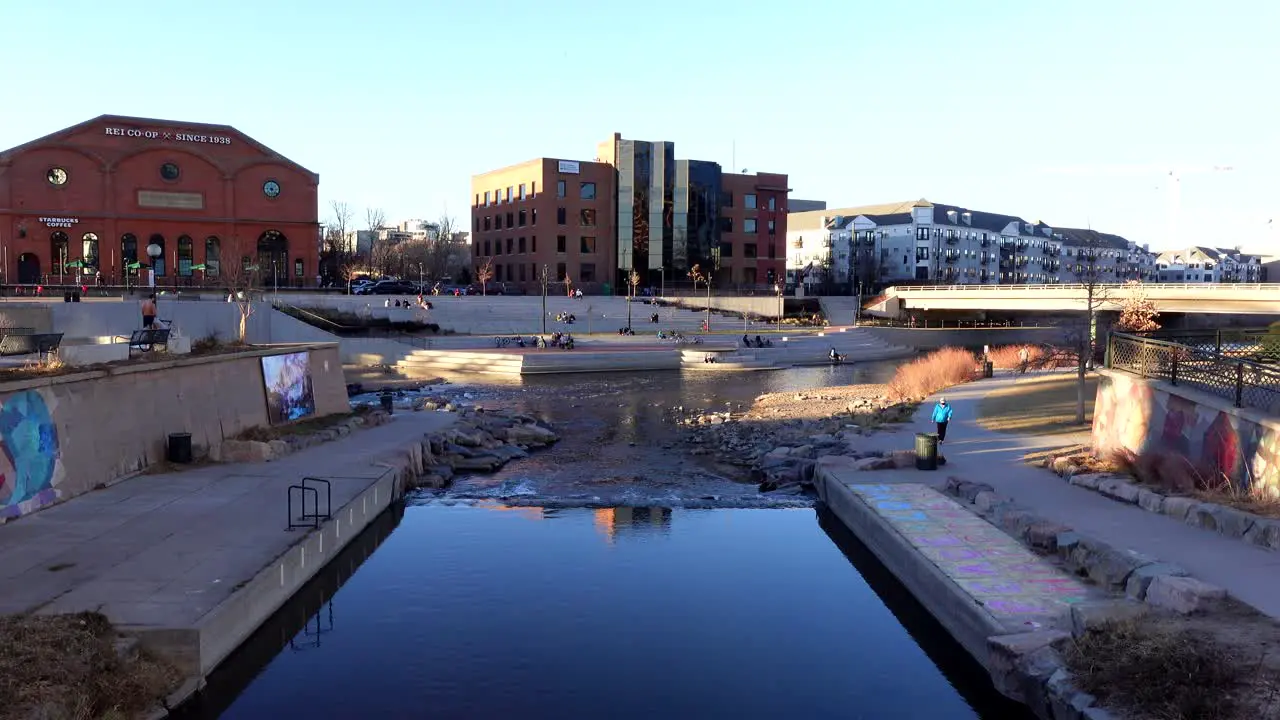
x,y
300,625
469,612
613,521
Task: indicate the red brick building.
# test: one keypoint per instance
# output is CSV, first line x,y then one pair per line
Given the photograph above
x,y
635,208
96,196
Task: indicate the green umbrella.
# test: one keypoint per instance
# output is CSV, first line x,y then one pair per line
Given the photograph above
x,y
134,266
76,264
199,267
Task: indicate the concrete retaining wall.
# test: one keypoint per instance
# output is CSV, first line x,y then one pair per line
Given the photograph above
x,y
121,417
191,318
1148,415
766,306
932,339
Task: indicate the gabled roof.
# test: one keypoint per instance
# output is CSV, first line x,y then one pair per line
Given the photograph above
x,y
128,120
1079,237
993,222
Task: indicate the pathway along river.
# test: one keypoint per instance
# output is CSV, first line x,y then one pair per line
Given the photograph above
x,y
694,598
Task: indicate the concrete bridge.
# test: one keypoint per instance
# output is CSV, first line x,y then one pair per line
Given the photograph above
x,y
1258,298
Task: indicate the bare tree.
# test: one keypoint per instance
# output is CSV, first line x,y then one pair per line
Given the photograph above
x,y
239,276
374,218
633,280
484,273
568,284
1089,270
698,275
338,227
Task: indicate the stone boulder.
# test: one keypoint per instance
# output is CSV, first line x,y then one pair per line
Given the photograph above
x,y
1184,595
530,435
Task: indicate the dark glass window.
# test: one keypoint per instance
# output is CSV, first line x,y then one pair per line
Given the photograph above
x,y
587,217
749,226
749,250
560,243
520,245
560,216
588,244
749,201
560,190
524,217
587,191
170,171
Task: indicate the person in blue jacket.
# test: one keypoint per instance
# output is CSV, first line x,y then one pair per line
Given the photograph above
x,y
942,416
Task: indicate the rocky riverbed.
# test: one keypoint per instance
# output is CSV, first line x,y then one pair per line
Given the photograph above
x,y
777,441
661,439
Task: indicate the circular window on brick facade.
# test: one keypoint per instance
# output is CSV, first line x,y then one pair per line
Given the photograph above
x,y
170,171
57,176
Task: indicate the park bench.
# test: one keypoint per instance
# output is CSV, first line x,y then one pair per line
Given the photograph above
x,y
28,343
146,339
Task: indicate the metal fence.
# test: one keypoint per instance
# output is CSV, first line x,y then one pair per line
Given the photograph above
x,y
1257,344
1247,383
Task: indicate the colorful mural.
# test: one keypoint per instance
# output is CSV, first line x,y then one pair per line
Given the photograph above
x,y
29,454
289,389
1137,415
993,568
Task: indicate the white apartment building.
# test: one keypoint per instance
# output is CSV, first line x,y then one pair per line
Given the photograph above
x,y
1200,264
924,242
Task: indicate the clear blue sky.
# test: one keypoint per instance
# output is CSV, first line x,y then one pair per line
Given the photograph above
x,y
397,103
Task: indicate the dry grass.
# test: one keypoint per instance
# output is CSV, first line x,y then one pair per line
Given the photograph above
x,y
1172,472
1038,405
936,371
1039,357
1170,668
302,427
66,666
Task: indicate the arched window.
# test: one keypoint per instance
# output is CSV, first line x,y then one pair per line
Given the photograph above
x,y
59,251
273,256
212,256
89,252
185,250
157,263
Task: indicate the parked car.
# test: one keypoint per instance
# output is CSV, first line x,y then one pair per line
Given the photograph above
x,y
505,288
393,287
362,287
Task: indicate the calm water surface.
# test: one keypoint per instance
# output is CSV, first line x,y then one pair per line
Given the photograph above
x,y
469,611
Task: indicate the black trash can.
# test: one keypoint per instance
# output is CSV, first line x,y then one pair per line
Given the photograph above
x,y
66,297
988,369
386,398
926,451
75,296
180,448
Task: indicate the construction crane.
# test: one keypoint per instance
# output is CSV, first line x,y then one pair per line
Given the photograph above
x,y
1174,188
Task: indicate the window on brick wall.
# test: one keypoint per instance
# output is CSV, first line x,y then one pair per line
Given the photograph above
x,y
588,245
510,244
749,226
587,217
749,250
520,246
511,217
587,272
560,189
561,241
749,201
533,216
587,191
524,218
561,216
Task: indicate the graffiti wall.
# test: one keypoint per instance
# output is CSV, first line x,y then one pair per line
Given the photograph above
x,y
30,461
1142,415
121,419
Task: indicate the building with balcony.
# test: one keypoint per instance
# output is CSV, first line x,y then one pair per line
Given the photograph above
x,y
635,207
1210,265
920,242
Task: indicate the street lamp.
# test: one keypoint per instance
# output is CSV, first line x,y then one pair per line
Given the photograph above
x,y
544,279
777,288
154,252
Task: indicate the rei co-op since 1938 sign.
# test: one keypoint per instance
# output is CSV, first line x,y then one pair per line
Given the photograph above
x,y
169,135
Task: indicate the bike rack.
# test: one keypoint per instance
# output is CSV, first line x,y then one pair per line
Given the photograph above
x,y
304,490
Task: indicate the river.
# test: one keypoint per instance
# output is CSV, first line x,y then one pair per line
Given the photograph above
x,y
461,605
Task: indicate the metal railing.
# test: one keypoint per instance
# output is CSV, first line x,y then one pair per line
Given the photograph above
x,y
1245,382
1257,344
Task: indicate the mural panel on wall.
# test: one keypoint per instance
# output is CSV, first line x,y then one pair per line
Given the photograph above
x,y
30,462
1133,415
288,382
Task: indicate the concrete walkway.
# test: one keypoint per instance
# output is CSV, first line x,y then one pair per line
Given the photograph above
x,y
974,453
162,551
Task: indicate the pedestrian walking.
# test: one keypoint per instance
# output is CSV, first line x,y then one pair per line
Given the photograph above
x,y
149,311
942,416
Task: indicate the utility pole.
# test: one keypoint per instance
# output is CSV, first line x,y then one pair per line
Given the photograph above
x,y
715,265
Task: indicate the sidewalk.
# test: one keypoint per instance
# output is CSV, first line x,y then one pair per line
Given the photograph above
x,y
976,454
164,550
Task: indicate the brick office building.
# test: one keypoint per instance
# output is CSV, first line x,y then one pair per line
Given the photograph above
x,y
94,197
635,207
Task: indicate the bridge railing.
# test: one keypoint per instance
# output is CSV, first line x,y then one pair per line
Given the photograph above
x,y
1149,287
1245,383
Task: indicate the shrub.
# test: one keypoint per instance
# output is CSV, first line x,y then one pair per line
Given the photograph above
x,y
1006,357
936,371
